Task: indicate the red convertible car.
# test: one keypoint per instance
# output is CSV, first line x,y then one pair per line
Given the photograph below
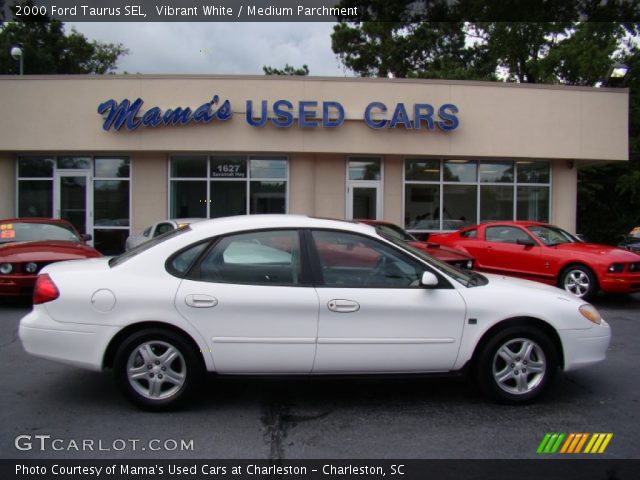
x,y
28,244
451,256
548,254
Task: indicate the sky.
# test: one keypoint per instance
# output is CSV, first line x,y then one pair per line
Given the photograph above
x,y
218,48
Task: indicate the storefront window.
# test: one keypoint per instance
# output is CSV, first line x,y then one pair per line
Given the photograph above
x,y
460,171
533,204
497,172
363,168
459,206
229,185
34,199
470,191
96,200
496,203
188,199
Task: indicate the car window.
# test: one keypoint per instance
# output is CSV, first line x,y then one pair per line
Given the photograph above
x,y
181,263
473,233
255,258
505,234
353,261
551,235
32,231
163,228
395,231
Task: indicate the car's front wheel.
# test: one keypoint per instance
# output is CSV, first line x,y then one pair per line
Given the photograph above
x,y
579,281
157,369
517,364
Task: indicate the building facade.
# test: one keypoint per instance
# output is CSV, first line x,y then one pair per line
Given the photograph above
x,y
116,153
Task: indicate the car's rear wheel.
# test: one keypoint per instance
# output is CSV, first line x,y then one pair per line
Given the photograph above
x,y
157,369
579,281
517,364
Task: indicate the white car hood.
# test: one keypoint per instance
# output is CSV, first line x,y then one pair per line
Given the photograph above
x,y
501,280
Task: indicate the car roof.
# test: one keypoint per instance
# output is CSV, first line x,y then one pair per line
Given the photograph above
x,y
257,222
522,223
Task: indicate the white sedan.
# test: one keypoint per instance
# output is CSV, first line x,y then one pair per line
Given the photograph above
x,y
156,230
278,294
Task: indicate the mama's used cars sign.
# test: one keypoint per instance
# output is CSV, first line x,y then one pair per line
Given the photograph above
x,y
282,114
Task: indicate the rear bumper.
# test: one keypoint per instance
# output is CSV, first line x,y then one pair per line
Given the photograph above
x,y
585,347
76,344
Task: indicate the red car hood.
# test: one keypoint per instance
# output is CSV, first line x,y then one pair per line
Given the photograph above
x,y
441,252
49,250
615,253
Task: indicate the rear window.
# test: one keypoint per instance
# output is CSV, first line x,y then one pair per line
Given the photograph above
x,y
115,261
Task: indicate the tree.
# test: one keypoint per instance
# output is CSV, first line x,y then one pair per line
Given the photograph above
x,y
287,70
48,50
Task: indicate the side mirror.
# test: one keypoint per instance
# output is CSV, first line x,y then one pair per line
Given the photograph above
x,y
86,237
527,242
428,279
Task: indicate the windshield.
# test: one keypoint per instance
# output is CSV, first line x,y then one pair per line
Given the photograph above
x,y
466,278
551,236
31,231
395,232
147,245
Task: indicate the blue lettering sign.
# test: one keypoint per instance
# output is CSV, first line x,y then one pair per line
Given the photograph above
x,y
422,112
400,117
251,120
128,114
367,115
305,115
327,122
283,118
447,113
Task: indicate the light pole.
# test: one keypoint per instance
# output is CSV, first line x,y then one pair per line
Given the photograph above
x,y
617,76
16,53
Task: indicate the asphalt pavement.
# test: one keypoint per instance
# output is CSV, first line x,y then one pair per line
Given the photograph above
x,y
49,410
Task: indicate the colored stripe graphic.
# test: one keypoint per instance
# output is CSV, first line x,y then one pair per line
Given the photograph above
x,y
574,443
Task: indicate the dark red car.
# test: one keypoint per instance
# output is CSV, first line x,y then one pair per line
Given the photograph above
x,y
28,244
548,254
451,256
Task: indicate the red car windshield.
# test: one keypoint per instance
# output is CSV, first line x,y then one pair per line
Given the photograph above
x,y
551,236
31,231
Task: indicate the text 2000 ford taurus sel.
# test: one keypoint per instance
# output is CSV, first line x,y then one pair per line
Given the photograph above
x,y
277,294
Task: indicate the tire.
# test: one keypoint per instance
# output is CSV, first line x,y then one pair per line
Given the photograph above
x,y
517,365
579,281
157,369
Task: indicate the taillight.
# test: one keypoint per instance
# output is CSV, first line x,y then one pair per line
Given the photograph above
x,y
45,290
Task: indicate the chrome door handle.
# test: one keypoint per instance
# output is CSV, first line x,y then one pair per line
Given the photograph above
x,y
201,301
343,306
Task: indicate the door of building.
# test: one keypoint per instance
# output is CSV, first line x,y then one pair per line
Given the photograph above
x,y
73,199
364,201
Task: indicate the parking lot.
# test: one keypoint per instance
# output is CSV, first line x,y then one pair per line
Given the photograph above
x,y
86,417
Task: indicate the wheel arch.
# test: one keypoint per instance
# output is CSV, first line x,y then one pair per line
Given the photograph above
x,y
543,326
110,352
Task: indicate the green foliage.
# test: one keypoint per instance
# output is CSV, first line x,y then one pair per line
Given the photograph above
x,y
287,70
48,50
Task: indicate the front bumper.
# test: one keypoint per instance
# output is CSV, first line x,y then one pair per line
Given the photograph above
x,y
584,347
17,285
76,344
621,283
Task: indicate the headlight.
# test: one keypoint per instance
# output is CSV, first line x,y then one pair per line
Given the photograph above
x,y
6,268
30,267
590,313
616,268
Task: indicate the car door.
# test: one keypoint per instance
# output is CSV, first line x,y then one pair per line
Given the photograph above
x,y
374,315
504,254
249,297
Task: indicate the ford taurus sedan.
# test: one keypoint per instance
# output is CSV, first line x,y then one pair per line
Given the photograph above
x,y
29,244
548,254
278,294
